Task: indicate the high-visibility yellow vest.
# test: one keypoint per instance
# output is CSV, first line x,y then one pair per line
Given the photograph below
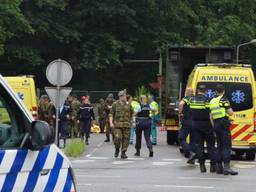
x,y
217,108
155,106
135,106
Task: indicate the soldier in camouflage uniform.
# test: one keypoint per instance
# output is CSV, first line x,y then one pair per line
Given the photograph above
x,y
75,104
120,119
45,110
109,102
102,114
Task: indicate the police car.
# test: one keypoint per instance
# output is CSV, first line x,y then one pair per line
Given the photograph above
x,y
28,159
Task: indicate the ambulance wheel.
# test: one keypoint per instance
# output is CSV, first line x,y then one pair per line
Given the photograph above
x,y
250,156
171,137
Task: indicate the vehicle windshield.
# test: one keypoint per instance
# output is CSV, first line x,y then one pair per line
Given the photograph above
x,y
239,94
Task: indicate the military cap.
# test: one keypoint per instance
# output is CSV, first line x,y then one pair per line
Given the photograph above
x,y
110,96
44,97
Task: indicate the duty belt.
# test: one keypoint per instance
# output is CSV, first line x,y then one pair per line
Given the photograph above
x,y
142,118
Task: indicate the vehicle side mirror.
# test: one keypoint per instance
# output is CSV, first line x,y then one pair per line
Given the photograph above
x,y
41,134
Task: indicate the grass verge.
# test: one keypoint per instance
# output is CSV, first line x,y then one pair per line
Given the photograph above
x,y
76,148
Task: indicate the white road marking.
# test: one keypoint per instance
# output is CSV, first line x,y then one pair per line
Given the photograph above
x,y
99,158
122,162
136,159
245,162
160,163
204,178
99,176
83,161
84,184
184,186
172,159
243,166
94,150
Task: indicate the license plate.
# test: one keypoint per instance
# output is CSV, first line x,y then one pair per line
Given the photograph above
x,y
170,122
172,128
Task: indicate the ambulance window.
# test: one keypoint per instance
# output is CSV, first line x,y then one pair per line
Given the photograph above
x,y
238,94
11,134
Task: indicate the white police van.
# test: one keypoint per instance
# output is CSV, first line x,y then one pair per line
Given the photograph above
x,y
28,159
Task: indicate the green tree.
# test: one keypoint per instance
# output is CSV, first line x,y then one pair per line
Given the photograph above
x,y
12,22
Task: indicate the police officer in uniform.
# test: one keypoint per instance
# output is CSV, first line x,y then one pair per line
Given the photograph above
x,y
85,116
64,118
144,122
200,113
220,112
120,118
186,127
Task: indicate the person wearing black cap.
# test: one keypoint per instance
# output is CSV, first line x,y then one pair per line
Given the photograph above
x,y
203,130
85,115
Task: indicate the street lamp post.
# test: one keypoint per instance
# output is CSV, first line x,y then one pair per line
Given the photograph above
x,y
238,46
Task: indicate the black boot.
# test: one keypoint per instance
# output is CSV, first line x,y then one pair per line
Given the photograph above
x,y
228,171
107,140
137,153
151,153
213,168
202,168
86,141
116,153
123,155
219,168
192,158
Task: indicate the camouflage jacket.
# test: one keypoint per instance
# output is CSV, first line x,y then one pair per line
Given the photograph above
x,y
122,114
45,111
75,105
102,110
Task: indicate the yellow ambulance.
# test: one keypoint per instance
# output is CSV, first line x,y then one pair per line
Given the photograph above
x,y
240,89
24,86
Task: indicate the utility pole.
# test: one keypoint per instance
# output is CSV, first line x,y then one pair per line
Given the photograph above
x,y
160,61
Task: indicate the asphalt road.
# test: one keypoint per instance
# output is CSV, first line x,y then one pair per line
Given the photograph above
x,y
98,171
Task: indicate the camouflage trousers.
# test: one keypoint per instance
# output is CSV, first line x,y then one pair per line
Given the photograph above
x,y
109,130
122,138
74,128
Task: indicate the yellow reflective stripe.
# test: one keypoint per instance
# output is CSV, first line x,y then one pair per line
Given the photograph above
x,y
185,100
197,107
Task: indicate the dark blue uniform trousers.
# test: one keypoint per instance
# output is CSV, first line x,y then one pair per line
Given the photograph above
x,y
223,135
203,132
143,125
86,128
185,130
